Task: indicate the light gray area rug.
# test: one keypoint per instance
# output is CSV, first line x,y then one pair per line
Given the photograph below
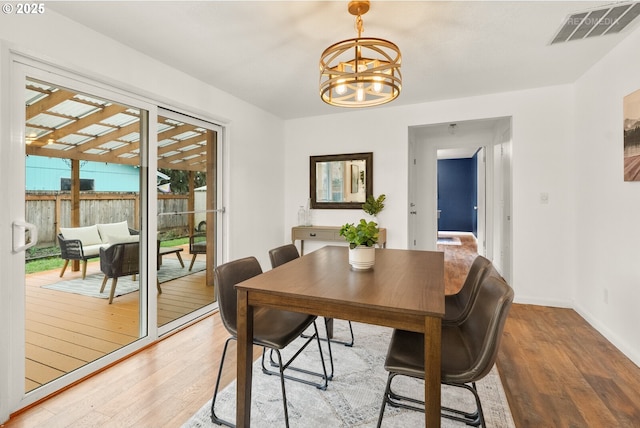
x,y
354,396
90,286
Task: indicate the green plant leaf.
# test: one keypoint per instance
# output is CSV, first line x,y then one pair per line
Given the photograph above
x,y
364,233
373,206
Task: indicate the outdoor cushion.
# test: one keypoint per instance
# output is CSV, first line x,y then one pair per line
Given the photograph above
x,y
88,235
112,239
92,250
113,229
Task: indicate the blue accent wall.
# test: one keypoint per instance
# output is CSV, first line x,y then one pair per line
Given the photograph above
x,y
45,173
458,195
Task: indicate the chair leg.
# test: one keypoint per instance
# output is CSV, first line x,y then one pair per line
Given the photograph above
x,y
395,400
84,269
193,260
352,338
384,399
472,419
64,267
114,281
326,325
345,343
158,286
320,385
104,283
215,419
284,392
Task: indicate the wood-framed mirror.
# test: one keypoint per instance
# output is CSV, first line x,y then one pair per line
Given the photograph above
x,y
340,181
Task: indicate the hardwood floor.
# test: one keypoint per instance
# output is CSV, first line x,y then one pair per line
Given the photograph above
x,y
556,369
65,331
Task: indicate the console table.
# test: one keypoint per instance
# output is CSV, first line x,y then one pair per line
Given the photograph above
x,y
327,234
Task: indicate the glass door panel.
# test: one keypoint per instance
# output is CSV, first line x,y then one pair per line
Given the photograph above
x,y
83,192
187,223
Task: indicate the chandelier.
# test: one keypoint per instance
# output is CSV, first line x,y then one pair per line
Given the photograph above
x,y
360,72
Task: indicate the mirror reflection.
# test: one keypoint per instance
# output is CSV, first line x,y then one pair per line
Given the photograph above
x,y
340,181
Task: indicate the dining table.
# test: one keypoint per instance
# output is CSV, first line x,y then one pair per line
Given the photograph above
x,y
403,290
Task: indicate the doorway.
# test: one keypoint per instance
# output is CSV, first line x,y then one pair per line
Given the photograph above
x,y
484,138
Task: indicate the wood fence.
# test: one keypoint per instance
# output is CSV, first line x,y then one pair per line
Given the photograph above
x,y
50,211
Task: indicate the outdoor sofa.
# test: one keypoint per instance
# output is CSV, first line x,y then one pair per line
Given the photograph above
x,y
84,243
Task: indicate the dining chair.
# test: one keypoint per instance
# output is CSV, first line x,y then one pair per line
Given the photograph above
x,y
272,328
287,253
457,306
469,352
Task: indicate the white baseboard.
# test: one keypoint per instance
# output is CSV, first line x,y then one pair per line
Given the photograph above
x,y
609,335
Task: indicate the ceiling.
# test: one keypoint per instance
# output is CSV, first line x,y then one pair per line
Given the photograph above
x,y
267,52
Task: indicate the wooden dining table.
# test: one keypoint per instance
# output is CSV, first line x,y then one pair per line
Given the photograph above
x,y
404,290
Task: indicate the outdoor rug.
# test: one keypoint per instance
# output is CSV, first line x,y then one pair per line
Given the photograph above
x,y
90,286
354,396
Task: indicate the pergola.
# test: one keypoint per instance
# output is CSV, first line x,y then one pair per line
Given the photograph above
x,y
61,123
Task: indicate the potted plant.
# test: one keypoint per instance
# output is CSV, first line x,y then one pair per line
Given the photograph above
x,y
362,238
373,206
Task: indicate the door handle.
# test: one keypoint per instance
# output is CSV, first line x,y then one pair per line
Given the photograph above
x,y
20,243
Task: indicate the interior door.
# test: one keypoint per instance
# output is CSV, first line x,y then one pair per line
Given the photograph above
x,y
422,209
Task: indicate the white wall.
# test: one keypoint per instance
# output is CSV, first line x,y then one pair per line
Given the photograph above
x,y
607,208
254,138
542,134
567,143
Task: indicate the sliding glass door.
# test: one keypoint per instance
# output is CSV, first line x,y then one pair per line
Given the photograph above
x,y
84,193
188,211
115,228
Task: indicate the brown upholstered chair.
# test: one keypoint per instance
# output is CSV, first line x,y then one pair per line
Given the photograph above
x,y
457,306
272,328
469,351
287,253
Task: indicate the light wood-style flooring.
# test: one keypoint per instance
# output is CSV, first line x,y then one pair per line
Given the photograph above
x,y
556,369
65,331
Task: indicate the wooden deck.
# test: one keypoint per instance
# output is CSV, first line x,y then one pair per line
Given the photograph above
x,y
65,331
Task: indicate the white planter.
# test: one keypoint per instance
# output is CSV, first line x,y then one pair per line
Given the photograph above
x,y
362,257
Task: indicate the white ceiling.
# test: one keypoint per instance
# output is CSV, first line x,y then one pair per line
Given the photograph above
x,y
267,52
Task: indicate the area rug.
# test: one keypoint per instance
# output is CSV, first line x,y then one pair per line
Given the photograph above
x,y
354,396
90,286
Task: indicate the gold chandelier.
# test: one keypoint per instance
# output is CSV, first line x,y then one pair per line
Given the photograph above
x,y
360,72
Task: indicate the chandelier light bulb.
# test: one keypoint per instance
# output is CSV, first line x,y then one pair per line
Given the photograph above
x,y
360,93
341,89
377,86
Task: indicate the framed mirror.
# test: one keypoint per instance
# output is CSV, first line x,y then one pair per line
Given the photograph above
x,y
340,181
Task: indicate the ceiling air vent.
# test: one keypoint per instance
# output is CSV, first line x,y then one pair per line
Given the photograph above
x,y
598,22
